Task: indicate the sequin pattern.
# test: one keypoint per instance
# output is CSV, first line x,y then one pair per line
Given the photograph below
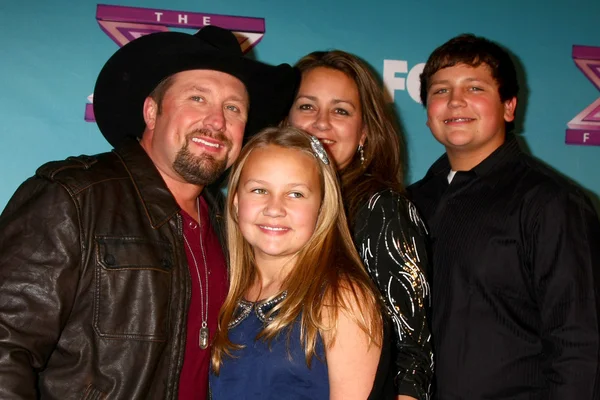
x,y
390,237
244,308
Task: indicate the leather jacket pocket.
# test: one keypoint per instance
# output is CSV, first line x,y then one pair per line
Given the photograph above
x,y
133,288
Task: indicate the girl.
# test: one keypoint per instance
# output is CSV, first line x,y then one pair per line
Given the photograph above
x,y
302,319
341,103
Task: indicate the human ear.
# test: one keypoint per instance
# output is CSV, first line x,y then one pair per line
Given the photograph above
x,y
363,136
150,111
510,106
235,205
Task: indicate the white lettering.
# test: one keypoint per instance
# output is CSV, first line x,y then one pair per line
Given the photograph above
x,y
158,15
390,81
206,20
586,136
182,19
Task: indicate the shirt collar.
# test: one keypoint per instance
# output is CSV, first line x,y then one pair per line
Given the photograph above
x,y
507,153
262,309
487,170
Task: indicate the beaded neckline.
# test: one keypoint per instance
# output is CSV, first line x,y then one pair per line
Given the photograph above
x,y
244,308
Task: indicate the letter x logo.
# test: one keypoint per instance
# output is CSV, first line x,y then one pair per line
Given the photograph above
x,y
585,127
123,24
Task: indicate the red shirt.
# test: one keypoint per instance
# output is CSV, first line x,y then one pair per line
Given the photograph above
x,y
193,381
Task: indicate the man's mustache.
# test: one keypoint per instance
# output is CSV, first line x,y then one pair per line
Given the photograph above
x,y
210,134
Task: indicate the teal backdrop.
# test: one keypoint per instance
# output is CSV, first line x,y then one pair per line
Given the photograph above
x,y
52,52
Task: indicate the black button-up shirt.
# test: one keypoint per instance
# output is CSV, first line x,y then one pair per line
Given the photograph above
x,y
515,281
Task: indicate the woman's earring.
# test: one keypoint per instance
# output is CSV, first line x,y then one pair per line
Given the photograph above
x,y
362,154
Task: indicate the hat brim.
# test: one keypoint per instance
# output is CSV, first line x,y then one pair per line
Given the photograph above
x,y
131,74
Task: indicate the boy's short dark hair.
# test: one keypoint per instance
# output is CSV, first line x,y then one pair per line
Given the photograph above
x,y
473,51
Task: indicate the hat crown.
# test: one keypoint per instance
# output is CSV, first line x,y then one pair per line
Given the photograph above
x,y
220,38
130,75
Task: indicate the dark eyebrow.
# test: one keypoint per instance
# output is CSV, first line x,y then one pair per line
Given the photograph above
x,y
439,82
334,101
446,81
337,101
313,98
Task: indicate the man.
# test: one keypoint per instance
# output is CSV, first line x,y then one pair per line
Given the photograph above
x,y
515,247
111,272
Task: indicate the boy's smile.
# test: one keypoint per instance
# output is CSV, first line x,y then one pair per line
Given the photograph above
x,y
465,112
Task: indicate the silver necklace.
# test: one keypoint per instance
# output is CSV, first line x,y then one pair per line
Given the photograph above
x,y
203,336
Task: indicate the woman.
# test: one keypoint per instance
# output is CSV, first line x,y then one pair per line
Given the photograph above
x,y
341,103
302,318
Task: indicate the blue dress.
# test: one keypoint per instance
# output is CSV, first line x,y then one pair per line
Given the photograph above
x,y
263,370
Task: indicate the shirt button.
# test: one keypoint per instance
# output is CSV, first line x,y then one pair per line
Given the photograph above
x,y
192,225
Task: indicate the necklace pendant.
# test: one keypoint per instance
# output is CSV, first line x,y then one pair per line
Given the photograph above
x,y
203,338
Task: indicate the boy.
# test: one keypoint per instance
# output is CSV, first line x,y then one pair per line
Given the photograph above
x,y
515,283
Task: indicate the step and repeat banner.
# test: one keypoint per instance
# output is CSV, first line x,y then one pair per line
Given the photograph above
x,y
53,51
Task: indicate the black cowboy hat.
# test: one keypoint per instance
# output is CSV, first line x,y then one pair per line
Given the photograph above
x,y
131,74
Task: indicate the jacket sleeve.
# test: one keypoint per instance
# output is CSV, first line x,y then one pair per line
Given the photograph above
x,y
565,260
39,259
391,239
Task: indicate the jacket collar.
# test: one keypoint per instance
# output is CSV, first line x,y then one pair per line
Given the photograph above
x,y
159,203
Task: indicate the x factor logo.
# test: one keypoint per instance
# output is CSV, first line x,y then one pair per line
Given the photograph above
x,y
123,24
585,127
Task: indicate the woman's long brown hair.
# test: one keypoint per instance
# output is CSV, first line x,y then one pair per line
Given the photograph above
x,y
383,149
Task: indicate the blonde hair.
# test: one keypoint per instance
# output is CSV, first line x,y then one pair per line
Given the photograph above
x,y
383,148
331,268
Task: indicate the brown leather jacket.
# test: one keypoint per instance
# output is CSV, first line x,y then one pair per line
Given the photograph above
x,y
94,282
